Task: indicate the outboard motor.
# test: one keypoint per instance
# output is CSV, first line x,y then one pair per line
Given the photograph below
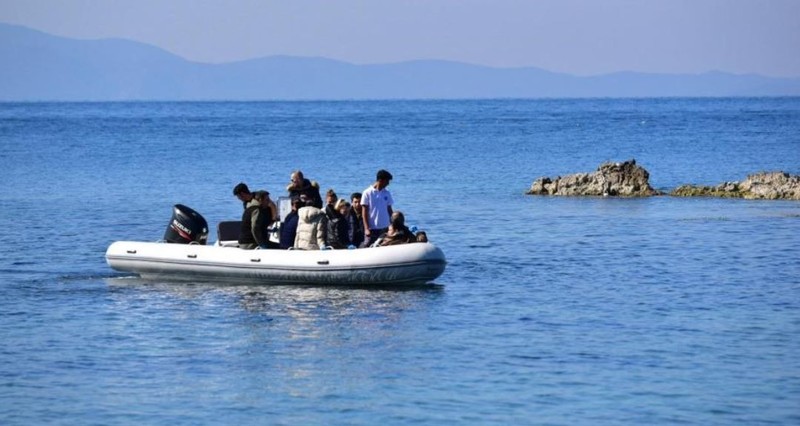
x,y
186,227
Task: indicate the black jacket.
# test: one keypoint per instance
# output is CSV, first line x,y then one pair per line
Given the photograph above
x,y
355,228
311,191
289,230
337,236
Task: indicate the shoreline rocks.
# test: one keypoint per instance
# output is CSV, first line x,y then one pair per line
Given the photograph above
x,y
627,179
759,186
624,179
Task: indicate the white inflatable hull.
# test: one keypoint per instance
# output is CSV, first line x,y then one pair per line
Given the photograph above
x,y
415,263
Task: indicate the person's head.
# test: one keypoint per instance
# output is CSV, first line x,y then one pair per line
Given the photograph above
x,y
342,206
242,192
297,202
331,197
297,178
355,199
422,237
398,220
262,197
383,178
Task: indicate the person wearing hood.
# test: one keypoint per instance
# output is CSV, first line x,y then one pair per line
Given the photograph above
x,y
256,219
311,228
300,186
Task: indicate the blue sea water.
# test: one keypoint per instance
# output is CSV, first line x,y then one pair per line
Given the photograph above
x,y
551,311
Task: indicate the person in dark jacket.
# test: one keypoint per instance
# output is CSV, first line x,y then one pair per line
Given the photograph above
x,y
256,219
300,186
289,225
336,236
355,229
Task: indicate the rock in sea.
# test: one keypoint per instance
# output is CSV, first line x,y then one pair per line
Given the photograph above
x,y
764,185
624,179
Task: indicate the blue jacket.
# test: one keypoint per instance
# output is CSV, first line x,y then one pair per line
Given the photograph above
x,y
355,229
288,230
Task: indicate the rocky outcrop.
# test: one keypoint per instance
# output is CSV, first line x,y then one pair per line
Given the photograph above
x,y
624,179
765,185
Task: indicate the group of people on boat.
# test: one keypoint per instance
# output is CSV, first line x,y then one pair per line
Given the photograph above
x,y
368,220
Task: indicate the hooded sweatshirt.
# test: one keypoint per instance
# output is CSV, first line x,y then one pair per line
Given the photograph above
x,y
311,226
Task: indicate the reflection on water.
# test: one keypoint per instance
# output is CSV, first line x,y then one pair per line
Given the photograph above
x,y
279,341
304,305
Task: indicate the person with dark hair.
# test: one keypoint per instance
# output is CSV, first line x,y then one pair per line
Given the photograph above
x,y
376,207
242,192
355,228
256,219
289,225
299,185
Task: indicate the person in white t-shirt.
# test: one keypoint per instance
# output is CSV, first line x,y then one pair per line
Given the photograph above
x,y
376,205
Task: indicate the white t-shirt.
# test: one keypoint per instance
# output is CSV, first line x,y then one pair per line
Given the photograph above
x,y
378,201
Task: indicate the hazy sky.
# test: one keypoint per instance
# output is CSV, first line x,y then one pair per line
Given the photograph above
x,y
582,37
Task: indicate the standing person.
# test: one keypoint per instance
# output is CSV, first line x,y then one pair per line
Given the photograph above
x,y
299,185
376,207
289,225
354,219
257,217
242,192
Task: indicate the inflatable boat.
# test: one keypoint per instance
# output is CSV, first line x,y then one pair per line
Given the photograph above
x,y
183,255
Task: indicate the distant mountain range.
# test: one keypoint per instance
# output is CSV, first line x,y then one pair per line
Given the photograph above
x,y
40,67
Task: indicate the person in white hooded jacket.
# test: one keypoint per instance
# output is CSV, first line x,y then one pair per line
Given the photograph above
x,y
311,228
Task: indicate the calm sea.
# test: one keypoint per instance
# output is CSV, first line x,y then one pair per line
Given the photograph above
x,y
551,311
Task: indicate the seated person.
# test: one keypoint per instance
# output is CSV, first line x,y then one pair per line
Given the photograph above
x,y
398,233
